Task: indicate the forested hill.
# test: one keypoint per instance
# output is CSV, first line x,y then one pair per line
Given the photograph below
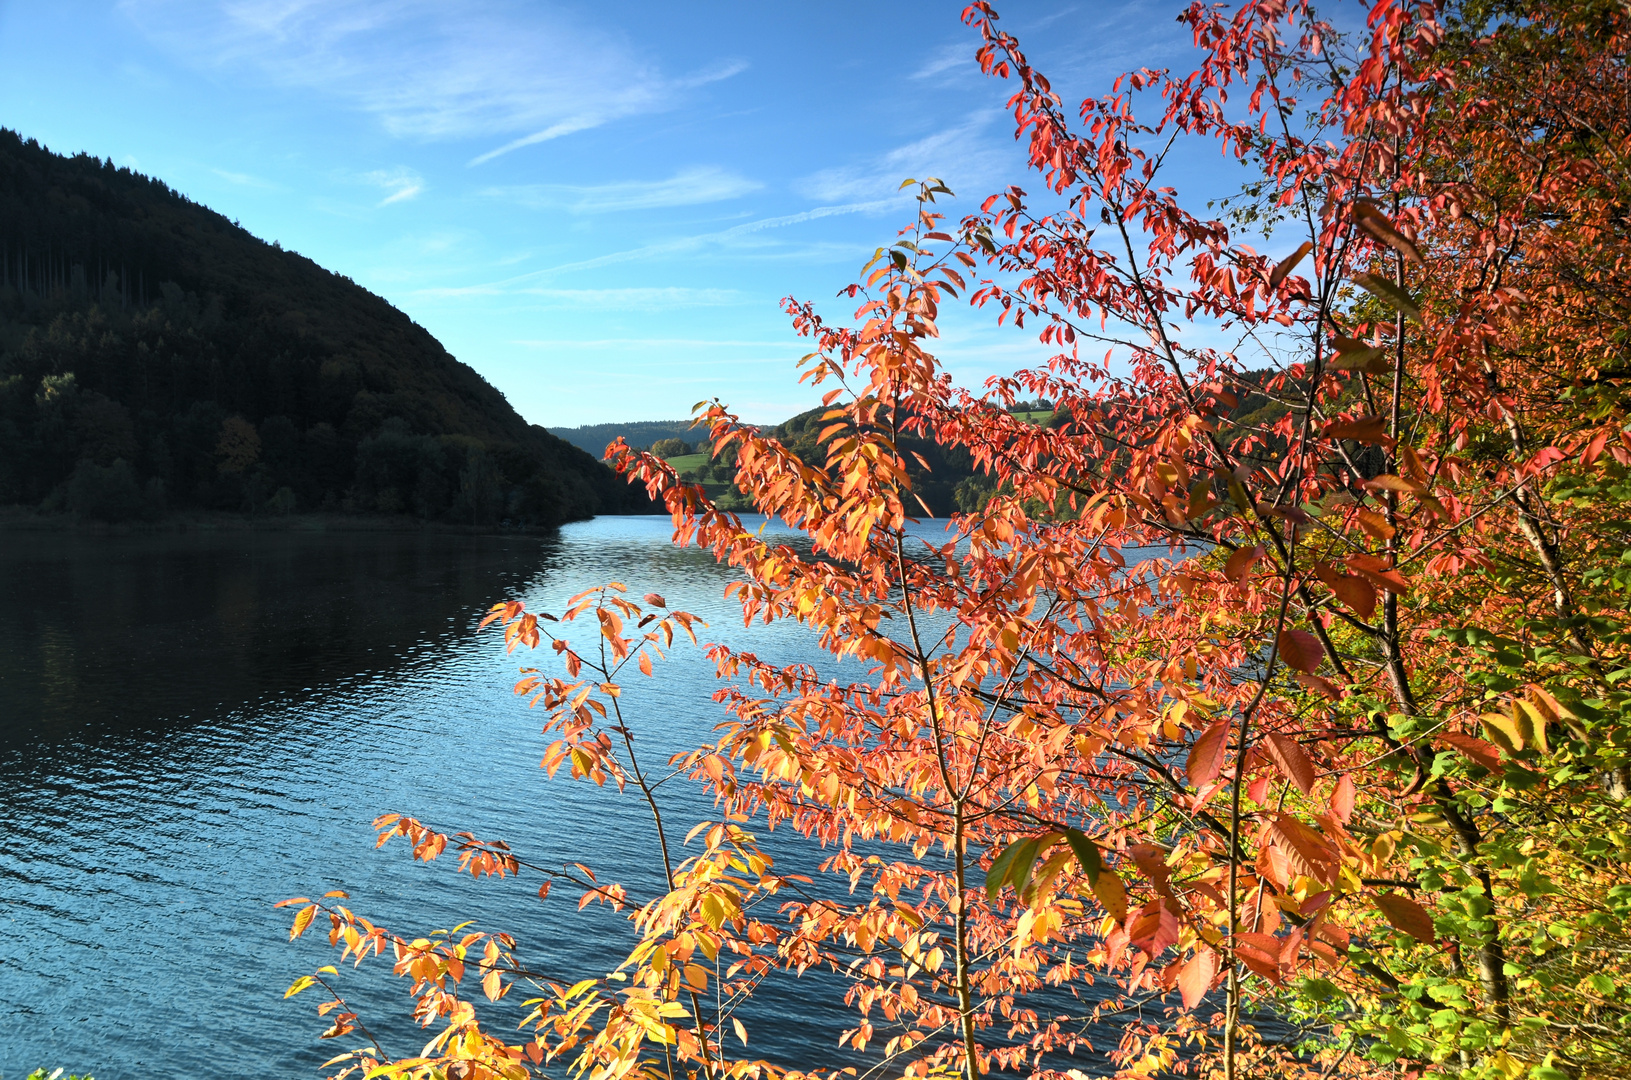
x,y
593,438
153,354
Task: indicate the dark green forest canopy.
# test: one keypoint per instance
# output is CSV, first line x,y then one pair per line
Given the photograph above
x,y
153,354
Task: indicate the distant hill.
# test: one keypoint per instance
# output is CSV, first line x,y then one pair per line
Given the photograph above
x,y
948,484
593,438
153,354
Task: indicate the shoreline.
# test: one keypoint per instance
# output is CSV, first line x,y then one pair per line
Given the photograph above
x,y
22,520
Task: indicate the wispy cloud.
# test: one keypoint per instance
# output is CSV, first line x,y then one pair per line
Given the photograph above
x,y
612,109
245,180
961,156
646,298
1052,17
653,343
735,238
428,69
400,184
688,187
947,58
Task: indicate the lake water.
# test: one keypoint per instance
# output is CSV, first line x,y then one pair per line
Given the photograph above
x,y
194,726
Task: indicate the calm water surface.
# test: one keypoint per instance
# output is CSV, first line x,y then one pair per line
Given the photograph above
x,y
195,726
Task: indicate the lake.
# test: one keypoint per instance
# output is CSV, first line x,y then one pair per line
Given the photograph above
x,y
196,725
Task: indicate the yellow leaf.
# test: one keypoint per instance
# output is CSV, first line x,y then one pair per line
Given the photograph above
x,y
298,985
1108,888
302,920
1503,731
1531,721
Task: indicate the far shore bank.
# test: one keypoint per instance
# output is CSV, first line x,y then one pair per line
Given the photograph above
x,y
15,519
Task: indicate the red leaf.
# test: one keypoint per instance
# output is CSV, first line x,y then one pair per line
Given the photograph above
x,y
1486,754
1258,789
1206,754
655,600
1195,977
1301,650
1292,762
1407,915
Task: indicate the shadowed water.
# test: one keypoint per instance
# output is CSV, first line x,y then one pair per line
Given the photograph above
x,y
195,726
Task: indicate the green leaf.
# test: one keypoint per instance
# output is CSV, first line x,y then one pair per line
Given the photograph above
x,y
1012,866
1390,294
1087,853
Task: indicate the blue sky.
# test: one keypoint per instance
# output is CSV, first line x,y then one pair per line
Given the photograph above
x,y
598,207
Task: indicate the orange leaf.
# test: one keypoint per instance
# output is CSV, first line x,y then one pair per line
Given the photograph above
x,y
1365,429
1195,977
1389,482
1357,594
1290,758
1306,849
1375,524
1342,799
1241,561
1289,263
1379,573
302,920
1206,754
1323,687
1301,650
1407,915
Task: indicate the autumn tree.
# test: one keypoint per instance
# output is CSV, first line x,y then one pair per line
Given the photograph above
x,y
1283,675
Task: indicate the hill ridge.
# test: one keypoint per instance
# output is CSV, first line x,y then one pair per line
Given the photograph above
x,y
138,326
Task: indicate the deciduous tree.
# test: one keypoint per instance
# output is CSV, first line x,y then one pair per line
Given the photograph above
x,y
1278,674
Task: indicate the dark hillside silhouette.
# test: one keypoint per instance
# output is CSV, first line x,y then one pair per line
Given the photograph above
x,y
153,354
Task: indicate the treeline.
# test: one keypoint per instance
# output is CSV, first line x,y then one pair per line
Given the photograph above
x,y
944,477
592,438
155,356
948,484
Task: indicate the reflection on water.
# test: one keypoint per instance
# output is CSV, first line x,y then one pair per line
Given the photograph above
x,y
195,726
103,634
